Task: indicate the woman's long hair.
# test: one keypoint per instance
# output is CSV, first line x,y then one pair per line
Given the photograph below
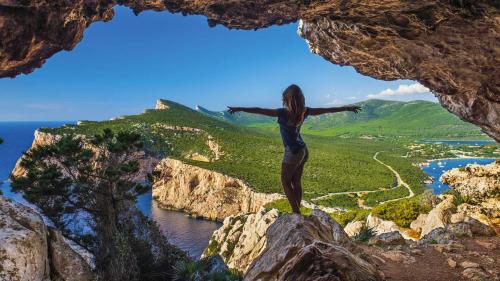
x,y
294,102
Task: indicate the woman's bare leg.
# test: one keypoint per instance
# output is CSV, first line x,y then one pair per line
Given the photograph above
x,y
287,172
297,183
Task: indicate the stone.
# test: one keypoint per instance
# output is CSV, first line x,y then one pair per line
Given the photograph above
x,y
437,235
67,259
204,193
439,216
469,264
23,243
451,263
380,226
241,238
487,245
480,229
305,248
458,217
418,222
475,182
475,274
386,239
354,228
459,230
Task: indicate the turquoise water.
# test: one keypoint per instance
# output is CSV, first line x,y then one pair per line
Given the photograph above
x,y
191,235
438,167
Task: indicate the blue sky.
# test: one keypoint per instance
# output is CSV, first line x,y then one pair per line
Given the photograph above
x,y
123,66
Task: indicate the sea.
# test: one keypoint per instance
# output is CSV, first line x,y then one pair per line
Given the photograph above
x,y
437,167
190,234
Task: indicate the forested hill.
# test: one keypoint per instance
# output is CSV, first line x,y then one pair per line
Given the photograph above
x,y
414,119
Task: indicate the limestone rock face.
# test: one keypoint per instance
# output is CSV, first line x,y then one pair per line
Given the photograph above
x,y
204,193
29,251
354,228
23,244
241,238
439,216
380,226
66,262
309,248
146,162
450,47
40,139
476,182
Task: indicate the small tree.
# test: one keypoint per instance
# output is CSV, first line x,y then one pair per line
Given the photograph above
x,y
73,178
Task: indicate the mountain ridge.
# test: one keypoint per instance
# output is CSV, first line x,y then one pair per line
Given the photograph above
x,y
412,119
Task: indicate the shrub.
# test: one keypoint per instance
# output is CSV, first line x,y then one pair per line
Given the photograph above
x,y
347,217
364,235
402,212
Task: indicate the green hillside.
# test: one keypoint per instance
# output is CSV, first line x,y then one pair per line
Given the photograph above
x,y
379,118
254,155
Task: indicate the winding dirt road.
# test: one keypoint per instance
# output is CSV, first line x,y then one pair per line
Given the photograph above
x,y
400,182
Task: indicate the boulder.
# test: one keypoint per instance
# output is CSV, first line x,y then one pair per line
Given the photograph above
x,y
309,248
387,239
437,236
354,228
418,223
380,226
241,238
30,251
475,182
23,243
439,216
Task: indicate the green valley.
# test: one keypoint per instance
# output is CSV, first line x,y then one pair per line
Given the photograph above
x,y
345,164
379,118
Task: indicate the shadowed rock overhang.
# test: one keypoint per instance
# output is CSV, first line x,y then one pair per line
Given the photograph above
x,y
449,46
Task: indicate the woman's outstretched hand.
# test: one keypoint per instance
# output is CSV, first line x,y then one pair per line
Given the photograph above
x,y
354,109
233,110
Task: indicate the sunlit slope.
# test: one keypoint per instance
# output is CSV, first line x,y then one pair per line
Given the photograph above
x,y
415,120
255,155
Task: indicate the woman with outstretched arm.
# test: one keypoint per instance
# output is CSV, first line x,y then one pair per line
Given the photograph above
x,y
290,119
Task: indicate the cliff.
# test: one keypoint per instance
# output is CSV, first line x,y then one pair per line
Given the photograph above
x,y
30,251
241,238
204,193
310,248
475,182
146,162
450,47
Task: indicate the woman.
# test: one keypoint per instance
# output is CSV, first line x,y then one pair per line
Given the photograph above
x,y
290,118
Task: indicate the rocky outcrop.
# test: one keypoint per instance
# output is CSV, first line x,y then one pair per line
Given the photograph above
x,y
68,260
146,162
310,248
29,251
161,105
475,182
439,216
204,193
241,238
23,244
211,143
450,47
354,228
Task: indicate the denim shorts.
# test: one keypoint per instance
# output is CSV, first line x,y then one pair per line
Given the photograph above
x,y
295,158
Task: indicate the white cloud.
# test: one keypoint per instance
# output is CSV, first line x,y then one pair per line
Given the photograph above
x,y
402,90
